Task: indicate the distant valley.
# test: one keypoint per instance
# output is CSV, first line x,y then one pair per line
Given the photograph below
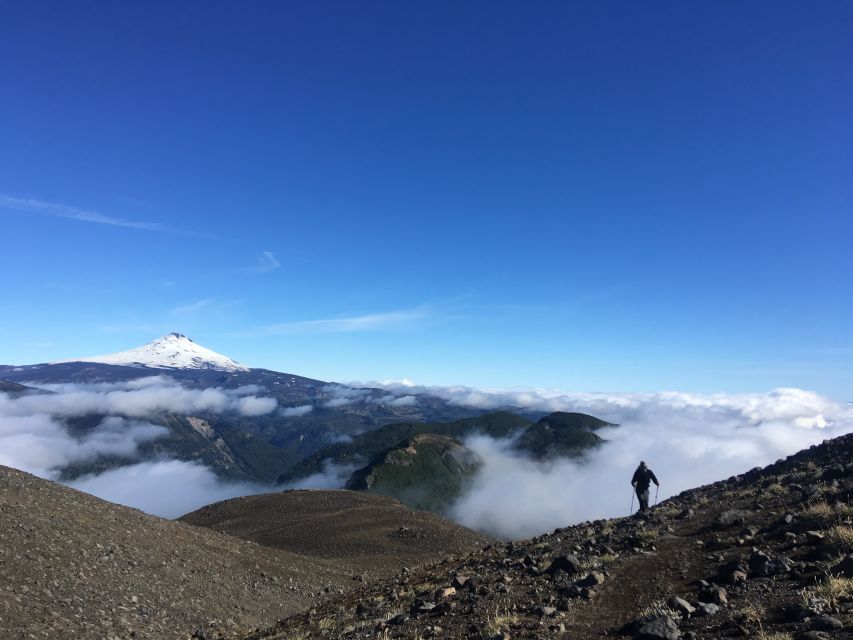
x,y
277,429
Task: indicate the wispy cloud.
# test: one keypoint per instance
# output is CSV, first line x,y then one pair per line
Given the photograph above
x,y
192,307
28,205
400,319
266,262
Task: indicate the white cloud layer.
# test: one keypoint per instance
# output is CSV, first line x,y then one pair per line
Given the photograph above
x,y
297,412
687,439
38,443
167,488
34,437
136,398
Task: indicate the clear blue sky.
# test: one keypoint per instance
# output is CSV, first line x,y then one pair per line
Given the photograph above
x,y
590,196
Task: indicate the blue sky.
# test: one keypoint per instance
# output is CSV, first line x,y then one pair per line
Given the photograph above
x,y
592,196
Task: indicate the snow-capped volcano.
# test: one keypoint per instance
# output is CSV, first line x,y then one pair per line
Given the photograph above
x,y
173,351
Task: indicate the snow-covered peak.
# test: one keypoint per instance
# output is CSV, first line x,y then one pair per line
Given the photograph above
x,y
173,351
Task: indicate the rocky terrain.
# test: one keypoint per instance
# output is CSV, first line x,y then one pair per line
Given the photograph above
x,y
368,536
74,566
765,555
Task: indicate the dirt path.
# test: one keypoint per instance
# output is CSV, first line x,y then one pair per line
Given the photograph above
x,y
641,582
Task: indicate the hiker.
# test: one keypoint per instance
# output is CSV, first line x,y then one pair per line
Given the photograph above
x,y
643,477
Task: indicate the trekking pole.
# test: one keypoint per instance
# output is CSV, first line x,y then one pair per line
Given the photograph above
x,y
632,503
657,486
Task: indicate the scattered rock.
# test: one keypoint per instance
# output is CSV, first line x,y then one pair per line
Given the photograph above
x,y
659,628
732,517
681,606
459,582
568,563
593,579
714,595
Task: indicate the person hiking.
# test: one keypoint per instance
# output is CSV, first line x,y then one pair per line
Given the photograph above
x,y
643,477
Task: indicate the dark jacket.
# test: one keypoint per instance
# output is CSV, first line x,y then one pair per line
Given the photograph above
x,y
643,476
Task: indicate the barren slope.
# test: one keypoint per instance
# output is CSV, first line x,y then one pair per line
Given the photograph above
x,y
367,534
74,566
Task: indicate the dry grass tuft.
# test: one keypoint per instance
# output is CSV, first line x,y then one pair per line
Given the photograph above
x,y
834,587
826,513
752,613
841,536
500,623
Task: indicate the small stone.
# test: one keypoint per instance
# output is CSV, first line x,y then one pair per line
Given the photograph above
x,y
460,581
568,563
572,591
424,607
659,628
707,608
737,577
681,606
400,618
593,579
714,595
814,537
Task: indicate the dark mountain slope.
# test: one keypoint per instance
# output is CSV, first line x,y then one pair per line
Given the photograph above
x,y
763,555
562,434
16,390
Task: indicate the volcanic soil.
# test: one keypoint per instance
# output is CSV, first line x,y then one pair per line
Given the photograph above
x,y
367,535
75,566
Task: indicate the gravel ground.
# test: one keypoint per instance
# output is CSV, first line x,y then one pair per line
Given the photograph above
x,y
74,566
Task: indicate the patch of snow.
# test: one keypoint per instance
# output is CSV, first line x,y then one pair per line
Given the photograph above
x,y
174,351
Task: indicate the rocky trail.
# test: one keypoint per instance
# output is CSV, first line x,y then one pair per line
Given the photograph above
x,y
763,555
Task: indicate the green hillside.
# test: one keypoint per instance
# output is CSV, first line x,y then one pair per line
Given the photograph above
x,y
562,434
367,446
426,472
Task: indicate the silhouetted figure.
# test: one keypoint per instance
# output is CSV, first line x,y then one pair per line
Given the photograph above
x,y
643,477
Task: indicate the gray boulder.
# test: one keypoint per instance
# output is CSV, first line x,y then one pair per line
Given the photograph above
x,y
659,628
568,563
681,606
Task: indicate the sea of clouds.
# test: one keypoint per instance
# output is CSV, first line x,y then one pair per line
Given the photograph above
x,y
34,437
687,439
